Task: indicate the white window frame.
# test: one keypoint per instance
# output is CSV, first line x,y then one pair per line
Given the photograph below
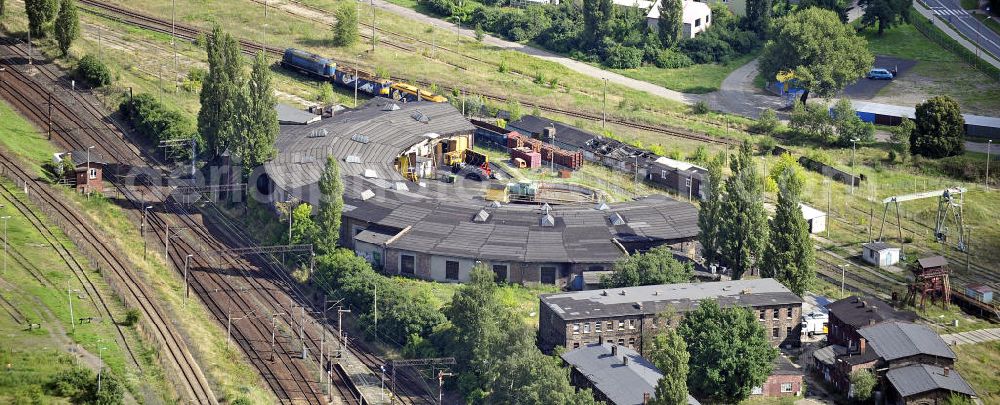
x,y
92,173
576,328
787,384
586,327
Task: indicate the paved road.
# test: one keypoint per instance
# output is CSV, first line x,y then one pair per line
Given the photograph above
x,y
973,29
971,337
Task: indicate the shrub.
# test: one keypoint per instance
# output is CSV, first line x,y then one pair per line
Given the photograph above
x,y
325,93
700,154
156,122
671,59
623,57
766,123
479,33
706,48
74,383
766,145
700,108
93,71
131,317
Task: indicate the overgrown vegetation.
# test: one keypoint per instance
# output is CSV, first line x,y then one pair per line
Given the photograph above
x,y
92,71
155,122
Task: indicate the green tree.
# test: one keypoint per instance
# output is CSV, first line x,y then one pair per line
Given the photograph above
x,y
758,16
849,126
784,162
219,116
824,53
939,128
862,384
710,214
671,23
40,13
304,229
532,378
899,139
480,324
345,31
670,355
766,123
331,204
743,233
729,352
885,13
67,26
597,18
837,6
259,118
789,256
112,390
3,11
657,266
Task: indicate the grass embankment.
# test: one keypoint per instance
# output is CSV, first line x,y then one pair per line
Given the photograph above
x,y
232,375
35,355
573,91
938,71
697,79
34,290
990,23
979,364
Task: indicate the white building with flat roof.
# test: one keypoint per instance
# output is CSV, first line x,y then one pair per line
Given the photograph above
x,y
697,17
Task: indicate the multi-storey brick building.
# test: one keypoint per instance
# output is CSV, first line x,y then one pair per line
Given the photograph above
x,y
852,313
626,316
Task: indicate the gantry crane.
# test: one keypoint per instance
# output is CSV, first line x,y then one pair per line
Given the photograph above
x,y
950,202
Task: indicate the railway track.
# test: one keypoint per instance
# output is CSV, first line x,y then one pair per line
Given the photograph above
x,y
111,148
24,95
267,301
93,294
250,48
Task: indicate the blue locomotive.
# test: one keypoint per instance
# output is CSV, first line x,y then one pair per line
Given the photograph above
x,y
318,66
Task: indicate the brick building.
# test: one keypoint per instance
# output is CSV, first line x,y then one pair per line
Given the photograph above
x,y
885,348
785,380
626,315
849,314
922,384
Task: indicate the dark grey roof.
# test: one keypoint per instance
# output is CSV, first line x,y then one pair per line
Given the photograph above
x,y
783,366
293,116
514,232
878,246
80,157
653,299
369,137
919,378
933,261
896,340
863,311
622,384
569,135
828,355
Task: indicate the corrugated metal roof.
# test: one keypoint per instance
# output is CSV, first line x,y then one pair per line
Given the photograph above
x,y
896,340
920,378
622,384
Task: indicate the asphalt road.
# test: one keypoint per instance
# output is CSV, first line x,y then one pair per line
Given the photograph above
x,y
973,29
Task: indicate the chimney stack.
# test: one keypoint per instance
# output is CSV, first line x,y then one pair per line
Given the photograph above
x,y
946,370
871,322
862,345
614,350
625,360
600,340
645,398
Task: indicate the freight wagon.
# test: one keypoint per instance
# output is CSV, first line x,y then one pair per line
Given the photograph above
x,y
490,135
366,83
318,66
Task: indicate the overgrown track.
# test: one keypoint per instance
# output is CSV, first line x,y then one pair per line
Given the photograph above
x,y
229,285
250,47
93,294
27,96
77,130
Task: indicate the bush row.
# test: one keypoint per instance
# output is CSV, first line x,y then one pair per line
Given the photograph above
x,y
156,122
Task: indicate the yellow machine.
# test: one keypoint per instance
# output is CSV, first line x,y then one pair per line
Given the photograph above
x,y
497,192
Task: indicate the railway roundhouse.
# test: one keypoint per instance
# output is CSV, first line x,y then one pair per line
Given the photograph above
x,y
405,223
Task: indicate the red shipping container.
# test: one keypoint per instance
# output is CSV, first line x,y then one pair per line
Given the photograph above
x,y
531,159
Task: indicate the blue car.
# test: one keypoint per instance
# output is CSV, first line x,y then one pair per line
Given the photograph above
x,y
879,74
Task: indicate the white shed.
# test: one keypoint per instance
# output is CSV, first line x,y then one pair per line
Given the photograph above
x,y
880,254
814,217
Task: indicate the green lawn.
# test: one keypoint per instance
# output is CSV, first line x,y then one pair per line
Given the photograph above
x,y
698,79
979,364
970,4
992,23
938,71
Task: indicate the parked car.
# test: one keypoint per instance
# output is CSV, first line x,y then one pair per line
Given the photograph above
x,y
879,74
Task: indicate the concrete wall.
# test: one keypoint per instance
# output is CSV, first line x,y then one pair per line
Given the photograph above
x,y
438,268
